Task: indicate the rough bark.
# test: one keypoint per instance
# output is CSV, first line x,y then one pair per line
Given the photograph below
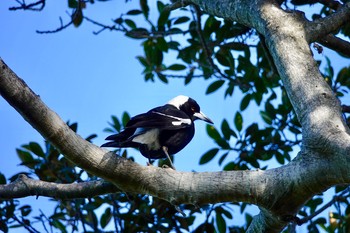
x,y
322,162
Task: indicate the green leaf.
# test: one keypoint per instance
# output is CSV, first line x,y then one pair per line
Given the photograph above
x,y
176,67
106,217
213,133
162,44
222,158
142,60
238,120
245,102
214,86
59,225
25,210
130,23
134,12
220,223
72,3
230,166
116,123
163,18
144,8
36,149
162,78
2,179
226,130
24,156
209,155
230,89
160,6
77,17
125,118
180,20
279,157
266,117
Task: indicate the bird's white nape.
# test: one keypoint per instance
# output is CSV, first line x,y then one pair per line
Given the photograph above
x,y
178,101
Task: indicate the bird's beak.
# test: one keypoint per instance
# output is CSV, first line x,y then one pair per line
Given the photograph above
x,y
203,117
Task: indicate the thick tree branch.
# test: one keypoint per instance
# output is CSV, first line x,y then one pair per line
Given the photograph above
x,y
322,162
176,187
24,187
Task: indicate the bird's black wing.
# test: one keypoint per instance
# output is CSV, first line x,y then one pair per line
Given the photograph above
x,y
164,117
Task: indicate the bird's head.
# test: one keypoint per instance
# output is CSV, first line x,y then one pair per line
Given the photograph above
x,y
190,107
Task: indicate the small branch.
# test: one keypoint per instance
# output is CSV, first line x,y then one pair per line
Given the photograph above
x,y
323,208
63,26
337,44
103,26
335,5
206,49
32,6
29,228
345,108
176,5
322,27
25,186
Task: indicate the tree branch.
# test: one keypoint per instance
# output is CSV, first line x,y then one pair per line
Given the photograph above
x,y
176,5
24,187
337,44
35,6
324,26
60,28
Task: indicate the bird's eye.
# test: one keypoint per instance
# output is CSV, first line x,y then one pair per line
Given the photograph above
x,y
193,109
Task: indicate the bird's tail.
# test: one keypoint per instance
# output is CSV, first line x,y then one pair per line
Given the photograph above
x,y
120,140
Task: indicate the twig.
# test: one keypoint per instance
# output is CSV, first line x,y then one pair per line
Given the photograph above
x,y
29,228
31,6
206,49
57,29
329,204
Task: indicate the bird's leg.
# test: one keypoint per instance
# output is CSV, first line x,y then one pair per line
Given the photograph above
x,y
165,149
150,162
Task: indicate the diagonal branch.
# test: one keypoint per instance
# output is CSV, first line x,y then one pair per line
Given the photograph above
x,y
337,44
24,187
324,26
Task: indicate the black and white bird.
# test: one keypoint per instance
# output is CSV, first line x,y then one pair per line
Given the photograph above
x,y
162,131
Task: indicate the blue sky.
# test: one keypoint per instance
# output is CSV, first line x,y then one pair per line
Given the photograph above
x,y
87,78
